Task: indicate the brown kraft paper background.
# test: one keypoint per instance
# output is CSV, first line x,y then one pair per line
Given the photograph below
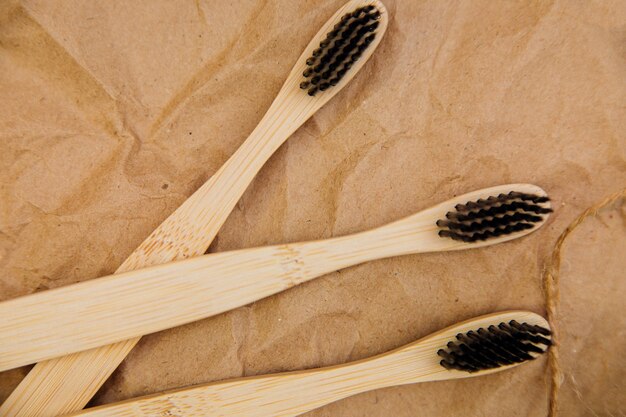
x,y
113,113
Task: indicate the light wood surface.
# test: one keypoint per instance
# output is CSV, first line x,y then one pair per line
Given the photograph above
x,y
66,384
114,308
294,393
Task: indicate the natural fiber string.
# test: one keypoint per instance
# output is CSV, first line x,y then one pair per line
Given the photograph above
x,y
551,289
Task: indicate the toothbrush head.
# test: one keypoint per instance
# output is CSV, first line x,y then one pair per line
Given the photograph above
x,y
506,344
495,216
340,49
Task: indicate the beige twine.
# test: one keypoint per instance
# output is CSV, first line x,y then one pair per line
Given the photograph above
x,y
551,288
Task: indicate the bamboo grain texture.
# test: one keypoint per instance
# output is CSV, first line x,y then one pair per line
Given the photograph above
x,y
66,384
109,309
293,393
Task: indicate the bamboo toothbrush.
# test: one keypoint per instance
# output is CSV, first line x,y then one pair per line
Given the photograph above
x,y
475,347
332,58
105,310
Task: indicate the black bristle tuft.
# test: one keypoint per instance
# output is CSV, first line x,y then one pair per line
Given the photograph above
x,y
496,346
494,216
343,46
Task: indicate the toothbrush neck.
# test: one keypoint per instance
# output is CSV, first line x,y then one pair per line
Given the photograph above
x,y
395,239
392,369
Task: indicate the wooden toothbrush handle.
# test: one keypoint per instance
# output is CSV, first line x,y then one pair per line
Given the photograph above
x,y
119,307
95,313
193,226
280,395
66,384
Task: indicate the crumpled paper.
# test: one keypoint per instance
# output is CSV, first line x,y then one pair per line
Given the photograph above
x,y
113,113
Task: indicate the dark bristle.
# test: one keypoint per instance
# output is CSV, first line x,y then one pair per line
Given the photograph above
x,y
343,45
496,346
357,12
494,216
